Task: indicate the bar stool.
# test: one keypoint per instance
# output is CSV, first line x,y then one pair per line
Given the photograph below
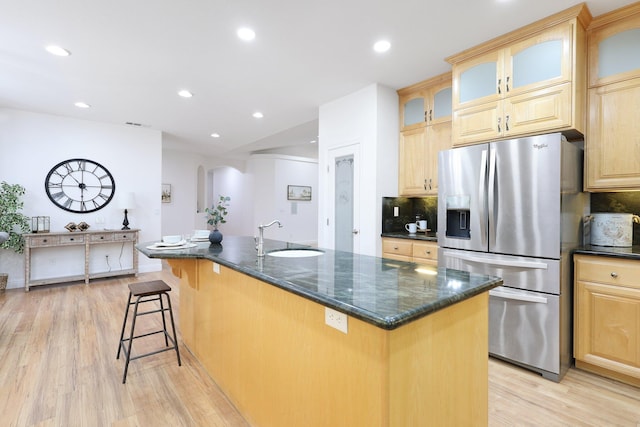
x,y
147,292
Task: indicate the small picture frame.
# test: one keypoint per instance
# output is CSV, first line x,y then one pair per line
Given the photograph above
x,y
299,192
166,193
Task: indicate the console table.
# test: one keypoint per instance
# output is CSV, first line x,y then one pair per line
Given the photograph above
x,y
86,239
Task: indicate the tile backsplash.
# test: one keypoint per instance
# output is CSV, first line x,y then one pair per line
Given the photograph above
x,y
408,208
625,202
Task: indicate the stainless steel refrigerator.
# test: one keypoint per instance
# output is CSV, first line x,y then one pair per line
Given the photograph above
x,y
514,209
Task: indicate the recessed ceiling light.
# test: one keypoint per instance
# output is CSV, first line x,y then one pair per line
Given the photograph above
x,y
185,93
57,50
82,105
215,135
382,46
246,34
258,115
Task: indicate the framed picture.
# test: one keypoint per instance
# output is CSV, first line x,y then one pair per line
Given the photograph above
x,y
298,192
166,193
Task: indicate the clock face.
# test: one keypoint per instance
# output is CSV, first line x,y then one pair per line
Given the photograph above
x,y
80,185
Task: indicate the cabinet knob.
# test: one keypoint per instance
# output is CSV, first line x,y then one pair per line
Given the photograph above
x,y
395,248
614,274
428,252
506,123
499,84
499,128
507,85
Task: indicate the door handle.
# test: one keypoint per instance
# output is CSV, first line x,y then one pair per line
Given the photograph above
x,y
500,293
355,231
498,262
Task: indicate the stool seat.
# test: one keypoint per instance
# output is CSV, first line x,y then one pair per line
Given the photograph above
x,y
148,288
147,292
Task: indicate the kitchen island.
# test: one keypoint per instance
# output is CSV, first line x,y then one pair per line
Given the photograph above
x,y
414,351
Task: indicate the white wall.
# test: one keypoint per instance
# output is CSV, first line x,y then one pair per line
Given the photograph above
x,y
229,181
258,191
180,169
271,174
368,117
31,144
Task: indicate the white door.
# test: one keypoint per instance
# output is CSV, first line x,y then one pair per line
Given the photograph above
x,y
343,194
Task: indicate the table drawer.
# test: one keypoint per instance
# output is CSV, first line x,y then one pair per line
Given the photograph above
x,y
71,239
425,251
43,241
621,272
397,247
124,237
102,237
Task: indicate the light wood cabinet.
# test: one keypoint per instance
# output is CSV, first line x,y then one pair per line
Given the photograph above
x,y
607,317
421,140
425,252
398,249
612,160
529,81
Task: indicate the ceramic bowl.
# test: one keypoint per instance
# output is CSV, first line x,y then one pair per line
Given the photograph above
x,y
171,239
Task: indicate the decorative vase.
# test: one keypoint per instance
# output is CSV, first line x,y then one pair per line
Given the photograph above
x,y
215,236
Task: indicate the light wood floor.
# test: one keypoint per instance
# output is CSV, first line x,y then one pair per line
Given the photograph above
x,y
58,368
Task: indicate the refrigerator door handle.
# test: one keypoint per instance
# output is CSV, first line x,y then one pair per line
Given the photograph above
x,y
497,262
501,292
491,191
482,192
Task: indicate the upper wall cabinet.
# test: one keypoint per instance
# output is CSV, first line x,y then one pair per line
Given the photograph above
x,y
425,120
529,81
425,103
612,146
614,46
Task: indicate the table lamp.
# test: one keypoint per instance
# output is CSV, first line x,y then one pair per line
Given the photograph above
x,y
126,201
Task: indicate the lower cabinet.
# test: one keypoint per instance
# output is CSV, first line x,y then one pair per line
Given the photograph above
x,y
607,317
410,250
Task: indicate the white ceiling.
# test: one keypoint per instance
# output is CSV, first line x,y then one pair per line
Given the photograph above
x,y
130,57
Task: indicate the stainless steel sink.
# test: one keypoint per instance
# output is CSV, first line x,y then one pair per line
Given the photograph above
x,y
295,253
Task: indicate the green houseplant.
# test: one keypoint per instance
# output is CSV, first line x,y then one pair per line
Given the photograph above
x,y
216,215
12,222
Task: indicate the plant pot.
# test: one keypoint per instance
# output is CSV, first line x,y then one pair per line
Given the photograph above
x,y
4,278
215,236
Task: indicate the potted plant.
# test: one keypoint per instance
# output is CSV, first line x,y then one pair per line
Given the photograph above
x,y
215,216
12,222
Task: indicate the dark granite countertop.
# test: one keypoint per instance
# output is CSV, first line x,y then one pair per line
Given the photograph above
x,y
429,236
382,292
632,252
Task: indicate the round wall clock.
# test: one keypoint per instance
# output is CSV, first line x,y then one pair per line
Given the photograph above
x,y
80,185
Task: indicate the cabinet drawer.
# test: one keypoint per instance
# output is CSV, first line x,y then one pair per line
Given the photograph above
x,y
608,270
43,241
397,247
425,251
102,237
124,237
72,239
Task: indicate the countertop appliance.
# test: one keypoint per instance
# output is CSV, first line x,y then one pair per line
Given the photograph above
x,y
514,209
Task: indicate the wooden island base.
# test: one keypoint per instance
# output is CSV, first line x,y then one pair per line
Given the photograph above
x,y
272,354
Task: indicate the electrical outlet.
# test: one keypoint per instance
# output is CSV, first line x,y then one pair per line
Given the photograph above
x,y
396,211
335,319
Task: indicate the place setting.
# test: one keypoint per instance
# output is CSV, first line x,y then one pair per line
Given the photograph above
x,y
173,242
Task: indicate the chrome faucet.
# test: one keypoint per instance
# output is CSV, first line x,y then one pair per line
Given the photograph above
x,y
260,240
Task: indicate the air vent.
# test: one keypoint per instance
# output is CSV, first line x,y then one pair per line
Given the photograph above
x,y
134,124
